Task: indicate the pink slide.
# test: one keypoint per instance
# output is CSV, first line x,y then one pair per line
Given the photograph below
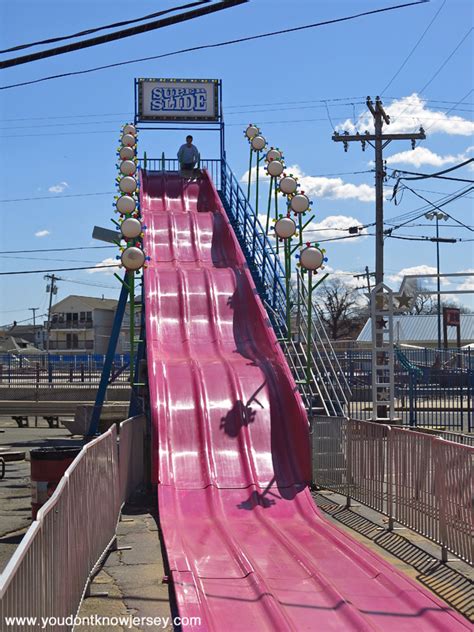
x,y
247,548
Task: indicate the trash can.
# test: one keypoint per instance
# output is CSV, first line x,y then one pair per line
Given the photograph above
x,y
47,467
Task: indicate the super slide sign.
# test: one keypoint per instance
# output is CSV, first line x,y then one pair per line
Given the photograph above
x,y
177,100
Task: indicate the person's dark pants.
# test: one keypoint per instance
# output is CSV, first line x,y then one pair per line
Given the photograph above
x,y
187,166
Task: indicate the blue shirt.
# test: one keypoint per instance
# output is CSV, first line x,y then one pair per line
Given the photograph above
x,y
188,154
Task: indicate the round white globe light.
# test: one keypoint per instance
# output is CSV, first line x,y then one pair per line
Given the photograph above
x,y
258,143
288,185
126,204
273,154
133,258
131,228
127,153
128,167
299,203
128,184
311,258
251,131
130,129
128,140
285,228
275,168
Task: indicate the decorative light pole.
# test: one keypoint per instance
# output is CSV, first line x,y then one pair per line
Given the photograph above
x,y
285,228
437,215
250,132
132,256
311,259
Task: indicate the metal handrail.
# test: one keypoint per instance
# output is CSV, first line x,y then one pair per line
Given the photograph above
x,y
329,378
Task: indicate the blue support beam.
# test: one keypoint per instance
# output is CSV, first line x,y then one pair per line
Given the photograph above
x,y
111,349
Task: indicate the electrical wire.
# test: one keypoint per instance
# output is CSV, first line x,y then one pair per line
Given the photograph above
x,y
98,267
420,39
430,81
14,252
56,197
217,44
111,37
114,25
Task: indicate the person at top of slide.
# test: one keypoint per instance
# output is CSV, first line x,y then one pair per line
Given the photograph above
x,y
188,154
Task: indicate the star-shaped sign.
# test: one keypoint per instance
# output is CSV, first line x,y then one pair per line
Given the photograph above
x,y
404,300
381,323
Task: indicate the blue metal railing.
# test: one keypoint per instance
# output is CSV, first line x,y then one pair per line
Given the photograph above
x,y
328,387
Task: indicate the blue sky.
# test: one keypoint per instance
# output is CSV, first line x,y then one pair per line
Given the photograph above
x,y
60,136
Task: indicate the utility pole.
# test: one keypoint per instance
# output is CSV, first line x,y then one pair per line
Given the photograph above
x,y
378,141
381,297
34,310
53,289
367,275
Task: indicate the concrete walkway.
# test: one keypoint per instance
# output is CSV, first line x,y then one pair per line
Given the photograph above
x,y
132,581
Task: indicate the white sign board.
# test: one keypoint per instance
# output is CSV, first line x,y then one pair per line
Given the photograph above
x,y
177,100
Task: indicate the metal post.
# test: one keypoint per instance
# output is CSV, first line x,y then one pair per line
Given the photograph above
x,y
270,191
438,285
287,248
131,285
310,322
250,174
104,379
276,212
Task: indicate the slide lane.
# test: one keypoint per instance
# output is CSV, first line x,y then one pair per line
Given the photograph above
x,y
247,548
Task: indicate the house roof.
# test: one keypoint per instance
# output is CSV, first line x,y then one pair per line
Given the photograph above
x,y
422,328
89,301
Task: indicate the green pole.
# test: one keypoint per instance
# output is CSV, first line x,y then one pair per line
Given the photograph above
x,y
270,191
144,159
131,285
287,248
310,322
256,184
276,213
250,174
163,161
300,228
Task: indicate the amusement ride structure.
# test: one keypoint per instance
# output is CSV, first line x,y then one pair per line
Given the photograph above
x,y
230,366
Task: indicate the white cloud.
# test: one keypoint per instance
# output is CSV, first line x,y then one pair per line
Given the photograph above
x,y
424,156
58,188
109,261
42,233
421,269
332,188
407,114
331,226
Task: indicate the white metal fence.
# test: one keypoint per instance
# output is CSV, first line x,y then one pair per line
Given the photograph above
x,y
418,480
50,570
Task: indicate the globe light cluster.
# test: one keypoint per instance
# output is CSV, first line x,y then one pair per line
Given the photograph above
x,y
312,258
132,257
256,140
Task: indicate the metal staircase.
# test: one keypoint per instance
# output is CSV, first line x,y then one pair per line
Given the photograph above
x,y
328,391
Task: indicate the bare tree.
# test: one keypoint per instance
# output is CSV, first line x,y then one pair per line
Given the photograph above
x,y
338,308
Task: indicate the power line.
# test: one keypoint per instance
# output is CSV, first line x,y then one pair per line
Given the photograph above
x,y
111,37
217,45
420,39
53,40
13,252
57,197
112,265
430,81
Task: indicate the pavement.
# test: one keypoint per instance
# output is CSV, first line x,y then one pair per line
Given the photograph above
x,y
132,584
15,487
132,580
